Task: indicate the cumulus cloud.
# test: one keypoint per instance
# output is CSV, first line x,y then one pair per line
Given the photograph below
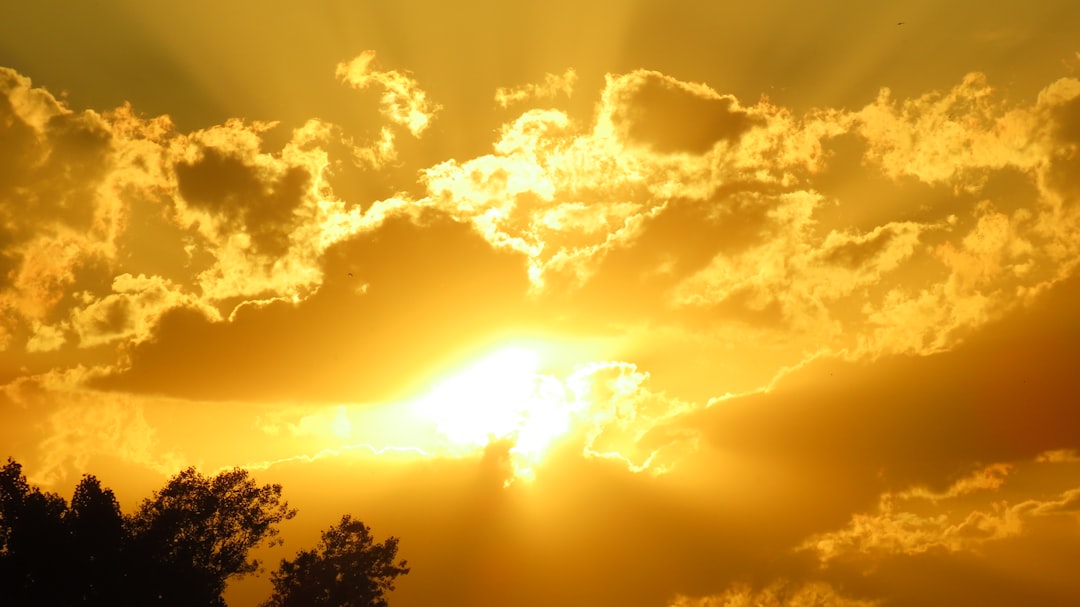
x,y
734,227
732,224
950,136
669,116
131,312
914,277
123,219
730,227
263,219
564,195
57,218
994,249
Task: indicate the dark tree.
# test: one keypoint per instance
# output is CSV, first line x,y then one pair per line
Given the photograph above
x,y
98,537
196,532
34,544
179,549
347,569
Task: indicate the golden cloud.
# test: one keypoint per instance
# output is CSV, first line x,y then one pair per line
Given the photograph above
x,y
727,227
163,220
778,594
403,102
77,427
917,520
553,85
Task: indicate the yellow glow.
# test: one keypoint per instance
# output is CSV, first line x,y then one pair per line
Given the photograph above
x,y
502,397
341,425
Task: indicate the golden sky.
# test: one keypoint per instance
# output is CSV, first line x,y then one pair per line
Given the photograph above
x,y
607,304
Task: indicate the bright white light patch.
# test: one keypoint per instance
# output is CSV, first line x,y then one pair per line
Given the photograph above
x,y
501,397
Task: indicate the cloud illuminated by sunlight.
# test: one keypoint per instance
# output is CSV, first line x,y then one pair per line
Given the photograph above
x,y
402,102
520,400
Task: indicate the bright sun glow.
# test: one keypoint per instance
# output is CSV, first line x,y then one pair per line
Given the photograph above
x,y
501,397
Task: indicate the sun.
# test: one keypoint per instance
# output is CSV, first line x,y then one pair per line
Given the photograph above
x,y
502,397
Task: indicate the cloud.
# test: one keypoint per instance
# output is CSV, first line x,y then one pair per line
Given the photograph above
x,y
73,428
402,101
56,217
902,525
855,430
669,116
504,404
564,194
733,237
263,219
624,420
1059,456
253,199
125,220
355,337
814,594
950,136
880,298
132,312
980,525
608,225
988,478
553,85
778,259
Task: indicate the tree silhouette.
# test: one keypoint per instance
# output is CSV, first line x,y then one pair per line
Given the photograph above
x,y
347,569
196,532
179,548
33,541
98,537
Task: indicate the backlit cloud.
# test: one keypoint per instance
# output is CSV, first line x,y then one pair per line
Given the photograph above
x,y
917,521
553,85
777,595
403,102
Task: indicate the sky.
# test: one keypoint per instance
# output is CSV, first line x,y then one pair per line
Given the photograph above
x,y
599,304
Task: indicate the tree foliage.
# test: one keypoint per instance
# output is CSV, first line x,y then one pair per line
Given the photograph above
x,y
347,569
97,538
196,532
179,548
32,536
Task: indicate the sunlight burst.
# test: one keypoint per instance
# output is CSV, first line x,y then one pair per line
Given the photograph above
x,y
502,397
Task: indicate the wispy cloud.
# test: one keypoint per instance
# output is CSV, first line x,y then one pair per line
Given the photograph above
x,y
553,85
917,520
778,594
403,102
